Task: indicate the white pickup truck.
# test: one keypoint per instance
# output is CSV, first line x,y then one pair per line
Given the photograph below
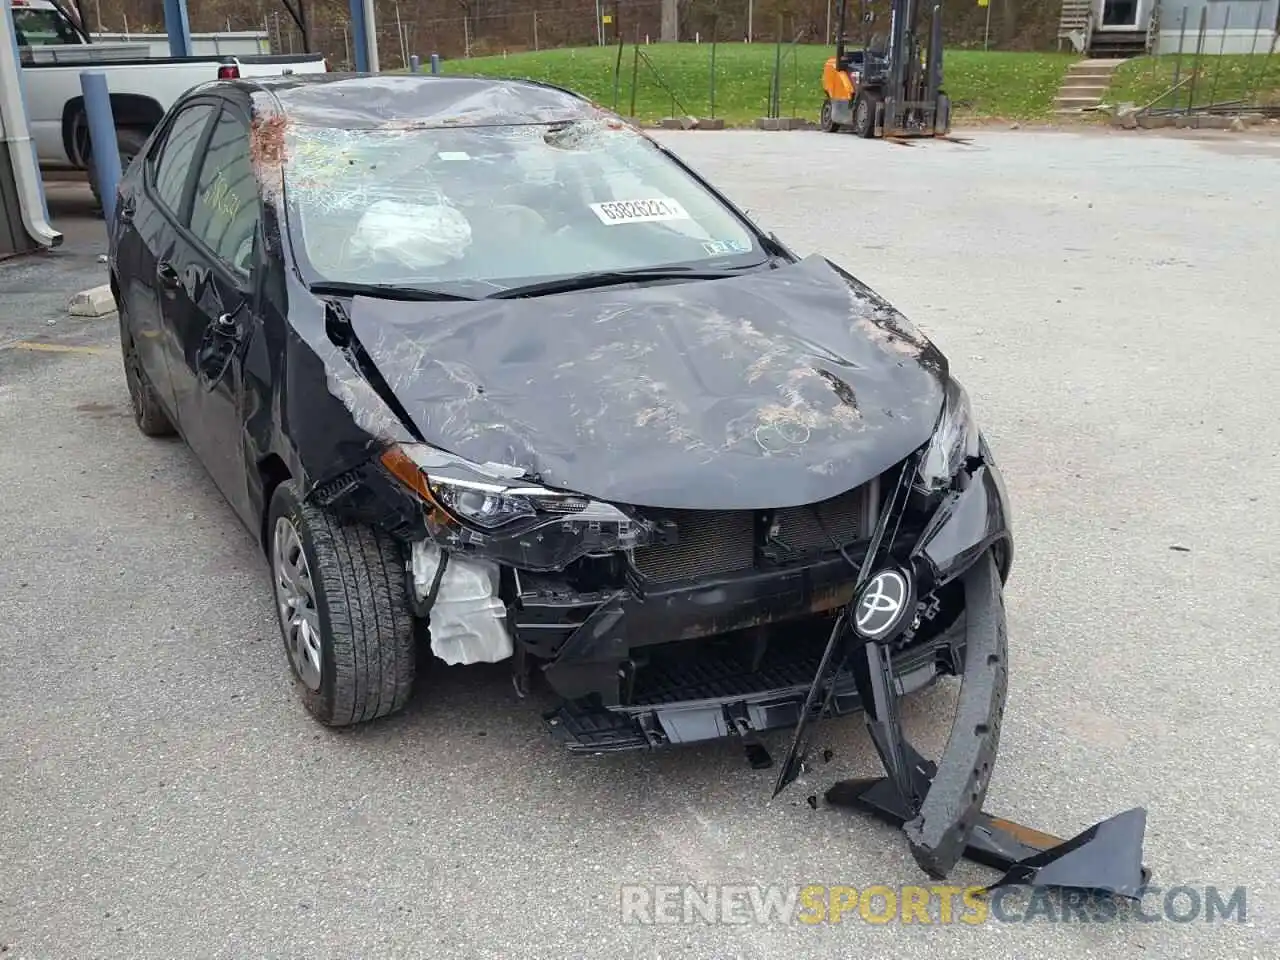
x,y
54,50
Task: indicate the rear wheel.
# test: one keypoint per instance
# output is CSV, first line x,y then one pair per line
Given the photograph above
x,y
342,599
864,114
147,412
824,120
130,144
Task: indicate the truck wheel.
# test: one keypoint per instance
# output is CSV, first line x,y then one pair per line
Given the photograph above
x,y
147,412
864,115
342,599
130,144
825,123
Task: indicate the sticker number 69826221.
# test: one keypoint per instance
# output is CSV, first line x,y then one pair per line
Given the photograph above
x,y
639,211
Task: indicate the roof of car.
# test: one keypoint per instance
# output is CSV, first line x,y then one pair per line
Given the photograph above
x,y
382,100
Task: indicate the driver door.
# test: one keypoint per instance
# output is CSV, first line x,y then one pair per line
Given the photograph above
x,y
211,310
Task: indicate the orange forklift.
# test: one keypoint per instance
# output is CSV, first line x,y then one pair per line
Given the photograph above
x,y
891,87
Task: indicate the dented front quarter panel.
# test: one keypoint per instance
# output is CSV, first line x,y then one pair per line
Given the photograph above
x,y
966,524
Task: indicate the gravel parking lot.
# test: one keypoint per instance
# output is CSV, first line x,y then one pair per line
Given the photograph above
x,y
1110,303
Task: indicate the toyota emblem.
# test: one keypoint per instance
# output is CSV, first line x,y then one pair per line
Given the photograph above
x,y
882,605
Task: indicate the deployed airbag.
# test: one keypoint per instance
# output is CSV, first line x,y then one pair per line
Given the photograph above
x,y
468,622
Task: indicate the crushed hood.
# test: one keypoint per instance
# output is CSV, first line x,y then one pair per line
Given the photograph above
x,y
773,389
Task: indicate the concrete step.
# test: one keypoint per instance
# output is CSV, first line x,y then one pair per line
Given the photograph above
x,y
1075,102
1091,64
1087,79
1098,90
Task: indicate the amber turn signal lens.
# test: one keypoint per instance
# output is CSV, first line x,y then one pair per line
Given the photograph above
x,y
407,472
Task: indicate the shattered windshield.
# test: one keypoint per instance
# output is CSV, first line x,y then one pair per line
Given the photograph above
x,y
498,205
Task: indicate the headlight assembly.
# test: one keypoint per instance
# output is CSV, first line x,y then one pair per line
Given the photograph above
x,y
488,509
955,441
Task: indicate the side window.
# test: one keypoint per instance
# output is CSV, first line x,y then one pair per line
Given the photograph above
x,y
226,211
172,169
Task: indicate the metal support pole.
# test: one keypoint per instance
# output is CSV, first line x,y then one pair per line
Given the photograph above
x,y
178,28
415,63
16,143
360,36
105,153
435,64
371,35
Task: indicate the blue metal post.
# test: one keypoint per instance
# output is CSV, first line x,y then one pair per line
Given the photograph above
x,y
415,63
360,36
435,64
178,28
102,136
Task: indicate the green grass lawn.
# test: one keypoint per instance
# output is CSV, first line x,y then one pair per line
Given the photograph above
x,y
1252,78
1015,86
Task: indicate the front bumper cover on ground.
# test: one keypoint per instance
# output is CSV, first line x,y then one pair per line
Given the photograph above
x,y
939,806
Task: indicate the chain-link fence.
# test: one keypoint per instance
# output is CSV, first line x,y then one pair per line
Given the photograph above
x,y
463,28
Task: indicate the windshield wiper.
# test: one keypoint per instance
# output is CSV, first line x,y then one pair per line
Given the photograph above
x,y
608,278
388,290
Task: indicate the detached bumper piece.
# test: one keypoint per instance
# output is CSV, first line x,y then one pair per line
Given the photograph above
x,y
939,806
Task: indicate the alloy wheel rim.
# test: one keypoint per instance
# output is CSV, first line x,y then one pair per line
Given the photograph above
x,y
296,603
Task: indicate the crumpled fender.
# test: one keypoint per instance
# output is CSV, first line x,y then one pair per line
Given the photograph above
x,y
966,524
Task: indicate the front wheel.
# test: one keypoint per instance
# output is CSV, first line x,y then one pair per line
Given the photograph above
x,y
342,599
825,123
864,115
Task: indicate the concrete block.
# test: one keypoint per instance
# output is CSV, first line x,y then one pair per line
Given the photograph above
x,y
710,123
94,302
1210,122
780,123
1126,117
677,123
1156,122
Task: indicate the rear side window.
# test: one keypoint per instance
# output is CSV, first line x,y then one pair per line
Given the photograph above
x,y
226,210
173,168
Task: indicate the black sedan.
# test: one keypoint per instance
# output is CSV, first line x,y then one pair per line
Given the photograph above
x,y
490,372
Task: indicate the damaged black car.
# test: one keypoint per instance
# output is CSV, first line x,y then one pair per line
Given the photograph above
x,y
490,372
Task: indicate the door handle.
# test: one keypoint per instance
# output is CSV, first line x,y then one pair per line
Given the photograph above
x,y
167,275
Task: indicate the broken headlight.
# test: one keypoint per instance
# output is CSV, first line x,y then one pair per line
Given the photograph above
x,y
490,509
955,441
487,496
485,505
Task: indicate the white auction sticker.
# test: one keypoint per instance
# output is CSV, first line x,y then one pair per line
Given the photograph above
x,y
639,211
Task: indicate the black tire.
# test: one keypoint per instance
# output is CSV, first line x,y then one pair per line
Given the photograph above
x,y
147,412
864,115
130,144
825,123
366,629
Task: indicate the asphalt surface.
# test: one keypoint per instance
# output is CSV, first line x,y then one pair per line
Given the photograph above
x,y
1110,303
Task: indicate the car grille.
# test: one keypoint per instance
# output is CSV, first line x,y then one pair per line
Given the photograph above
x,y
711,543
818,527
717,542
